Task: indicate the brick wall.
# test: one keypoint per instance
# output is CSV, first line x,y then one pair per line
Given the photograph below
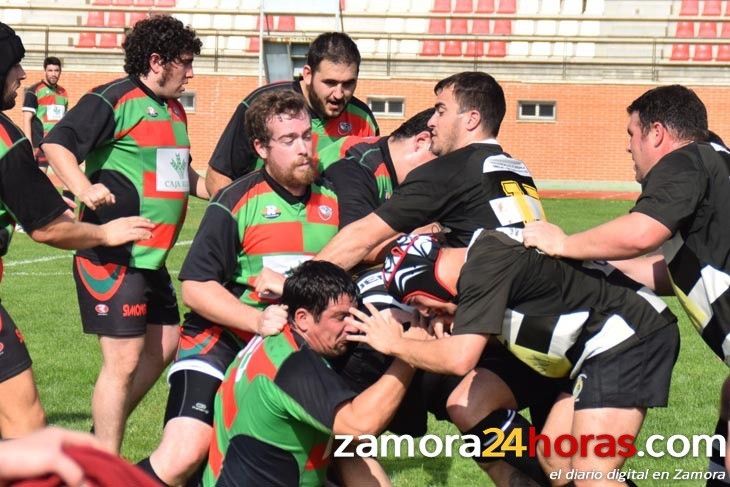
x,y
586,142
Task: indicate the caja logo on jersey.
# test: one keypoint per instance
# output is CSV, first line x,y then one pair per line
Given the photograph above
x,y
270,212
344,128
151,112
325,212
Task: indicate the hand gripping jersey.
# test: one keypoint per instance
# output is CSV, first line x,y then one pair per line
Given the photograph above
x,y
137,145
255,223
233,156
688,191
274,414
478,186
49,105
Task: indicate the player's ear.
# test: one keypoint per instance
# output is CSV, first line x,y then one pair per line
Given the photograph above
x,y
261,149
307,74
303,319
472,119
156,63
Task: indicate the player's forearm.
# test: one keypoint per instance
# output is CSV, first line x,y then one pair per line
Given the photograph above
x,y
453,355
66,167
214,302
625,237
197,184
650,270
66,233
355,241
215,181
372,410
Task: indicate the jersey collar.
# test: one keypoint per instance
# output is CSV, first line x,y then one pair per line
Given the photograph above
x,y
388,160
146,90
284,193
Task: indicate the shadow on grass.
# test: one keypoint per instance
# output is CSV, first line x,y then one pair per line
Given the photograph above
x,y
68,418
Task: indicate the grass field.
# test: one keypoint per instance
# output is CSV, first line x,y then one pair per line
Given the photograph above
x,y
39,294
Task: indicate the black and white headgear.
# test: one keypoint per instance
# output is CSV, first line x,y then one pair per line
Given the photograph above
x,y
410,269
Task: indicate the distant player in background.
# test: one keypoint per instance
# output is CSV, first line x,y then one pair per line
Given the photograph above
x,y
45,103
328,84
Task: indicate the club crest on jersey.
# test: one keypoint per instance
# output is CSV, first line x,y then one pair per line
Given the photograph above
x,y
151,112
325,212
270,212
101,309
345,128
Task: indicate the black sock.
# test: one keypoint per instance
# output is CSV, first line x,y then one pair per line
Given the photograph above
x,y
145,465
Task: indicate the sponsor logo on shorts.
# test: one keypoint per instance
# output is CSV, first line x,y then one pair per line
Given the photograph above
x,y
345,128
101,309
199,406
151,112
325,212
131,310
270,212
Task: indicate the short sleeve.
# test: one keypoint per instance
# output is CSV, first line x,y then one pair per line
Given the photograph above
x,y
316,389
672,191
213,253
30,101
86,126
19,178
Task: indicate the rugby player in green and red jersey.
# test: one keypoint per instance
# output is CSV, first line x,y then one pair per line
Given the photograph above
x,y
47,219
45,103
275,217
281,403
328,84
132,133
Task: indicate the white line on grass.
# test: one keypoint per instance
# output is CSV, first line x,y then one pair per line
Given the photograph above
x,y
13,263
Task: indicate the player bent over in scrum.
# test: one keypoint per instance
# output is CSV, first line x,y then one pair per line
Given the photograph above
x,y
616,348
281,403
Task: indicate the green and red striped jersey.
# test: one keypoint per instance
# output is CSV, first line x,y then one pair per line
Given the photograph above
x,y
234,156
49,104
274,414
255,223
137,145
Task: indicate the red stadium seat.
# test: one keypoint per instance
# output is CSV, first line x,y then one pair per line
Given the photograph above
x,y
712,7
108,40
723,50
474,49
116,19
87,39
680,52
497,49
430,48
122,3
452,48
689,7
437,26
707,29
135,17
464,7
703,52
144,3
102,2
95,19
485,6
286,23
441,6
507,7
165,3
502,27
480,26
253,44
459,26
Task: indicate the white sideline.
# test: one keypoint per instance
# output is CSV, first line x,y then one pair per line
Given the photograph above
x,y
13,263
